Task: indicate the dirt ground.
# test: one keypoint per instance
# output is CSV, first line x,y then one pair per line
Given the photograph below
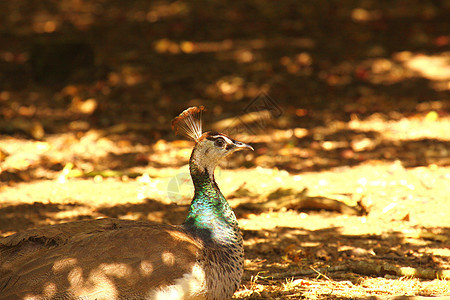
x,y
346,103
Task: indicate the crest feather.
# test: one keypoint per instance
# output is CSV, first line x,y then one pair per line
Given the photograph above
x,y
189,123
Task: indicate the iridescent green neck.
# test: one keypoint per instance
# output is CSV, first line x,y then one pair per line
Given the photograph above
x,y
210,216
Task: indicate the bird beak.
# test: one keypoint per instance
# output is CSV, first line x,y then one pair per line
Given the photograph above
x,y
242,146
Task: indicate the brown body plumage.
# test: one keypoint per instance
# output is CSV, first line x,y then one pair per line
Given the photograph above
x,y
99,259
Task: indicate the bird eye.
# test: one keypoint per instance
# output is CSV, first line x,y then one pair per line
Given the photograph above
x,y
220,142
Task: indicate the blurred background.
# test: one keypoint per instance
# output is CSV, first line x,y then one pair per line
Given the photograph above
x,y
76,65
342,97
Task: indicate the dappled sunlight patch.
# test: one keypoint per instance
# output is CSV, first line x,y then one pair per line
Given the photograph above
x,y
118,270
50,289
21,154
145,268
168,258
76,191
76,212
190,286
400,67
406,286
63,264
98,285
75,277
179,236
420,126
432,67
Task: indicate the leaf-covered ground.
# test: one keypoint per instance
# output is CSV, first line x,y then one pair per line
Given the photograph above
x,y
345,102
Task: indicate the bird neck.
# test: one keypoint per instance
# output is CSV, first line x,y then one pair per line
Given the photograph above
x,y
210,216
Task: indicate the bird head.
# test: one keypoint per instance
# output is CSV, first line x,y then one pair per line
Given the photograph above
x,y
210,147
213,146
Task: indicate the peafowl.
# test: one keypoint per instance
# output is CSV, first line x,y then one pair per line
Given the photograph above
x,y
122,259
